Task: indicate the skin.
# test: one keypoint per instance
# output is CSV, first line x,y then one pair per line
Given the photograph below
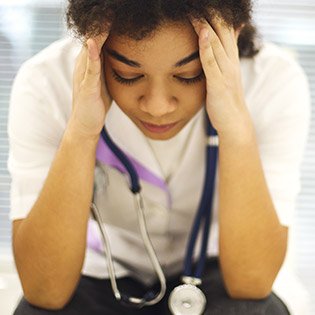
x,y
160,97
252,242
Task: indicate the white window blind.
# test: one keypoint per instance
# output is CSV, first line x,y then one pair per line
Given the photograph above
x,y
27,26
292,24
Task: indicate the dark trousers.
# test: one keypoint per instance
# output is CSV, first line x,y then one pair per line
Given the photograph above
x,y
95,297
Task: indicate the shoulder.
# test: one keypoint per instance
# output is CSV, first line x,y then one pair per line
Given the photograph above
x,y
56,59
46,78
42,89
276,91
274,76
270,55
273,65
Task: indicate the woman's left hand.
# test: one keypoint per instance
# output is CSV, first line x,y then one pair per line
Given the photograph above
x,y
219,57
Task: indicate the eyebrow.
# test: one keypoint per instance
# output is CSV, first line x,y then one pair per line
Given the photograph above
x,y
132,63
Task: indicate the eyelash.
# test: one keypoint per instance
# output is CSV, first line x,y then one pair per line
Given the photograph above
x,y
122,80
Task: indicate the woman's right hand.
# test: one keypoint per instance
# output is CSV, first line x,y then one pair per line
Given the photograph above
x,y
91,100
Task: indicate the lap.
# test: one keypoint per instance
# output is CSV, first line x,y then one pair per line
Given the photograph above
x,y
95,297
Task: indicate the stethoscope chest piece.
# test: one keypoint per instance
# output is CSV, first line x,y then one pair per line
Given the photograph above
x,y
187,299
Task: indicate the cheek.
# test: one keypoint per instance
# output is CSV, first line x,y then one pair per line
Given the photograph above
x,y
194,95
194,98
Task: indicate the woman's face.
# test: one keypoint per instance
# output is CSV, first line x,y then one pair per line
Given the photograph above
x,y
157,82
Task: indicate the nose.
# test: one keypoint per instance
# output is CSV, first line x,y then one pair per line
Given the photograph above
x,y
157,101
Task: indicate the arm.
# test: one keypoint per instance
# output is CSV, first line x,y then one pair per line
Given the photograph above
x,y
252,242
49,244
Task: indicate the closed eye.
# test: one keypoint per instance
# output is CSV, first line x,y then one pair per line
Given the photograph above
x,y
193,80
122,80
125,81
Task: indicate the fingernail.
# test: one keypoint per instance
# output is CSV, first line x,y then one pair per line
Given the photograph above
x,y
204,34
89,51
194,20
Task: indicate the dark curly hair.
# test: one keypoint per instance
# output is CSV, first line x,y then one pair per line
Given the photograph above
x,y
138,19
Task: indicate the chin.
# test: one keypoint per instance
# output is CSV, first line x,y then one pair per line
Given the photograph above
x,y
159,137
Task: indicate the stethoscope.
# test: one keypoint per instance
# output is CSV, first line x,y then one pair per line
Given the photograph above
x,y
186,298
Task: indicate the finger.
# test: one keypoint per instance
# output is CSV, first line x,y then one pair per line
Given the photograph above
x,y
79,69
209,51
93,69
226,35
100,40
93,66
223,60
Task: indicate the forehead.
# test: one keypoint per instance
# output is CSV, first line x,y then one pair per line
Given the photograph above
x,y
167,45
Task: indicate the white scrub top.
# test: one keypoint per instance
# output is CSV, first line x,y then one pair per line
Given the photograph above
x,y
278,100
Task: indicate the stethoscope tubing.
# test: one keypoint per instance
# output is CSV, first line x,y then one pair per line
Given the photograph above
x,y
134,178
150,298
204,212
203,216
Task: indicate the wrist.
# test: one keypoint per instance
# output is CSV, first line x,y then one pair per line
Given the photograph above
x,y
75,133
239,134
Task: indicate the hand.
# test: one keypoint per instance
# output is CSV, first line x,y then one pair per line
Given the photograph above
x,y
219,57
91,100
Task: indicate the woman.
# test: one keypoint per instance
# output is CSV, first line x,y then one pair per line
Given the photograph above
x,y
167,65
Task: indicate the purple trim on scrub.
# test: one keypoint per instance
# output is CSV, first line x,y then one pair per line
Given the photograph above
x,y
106,156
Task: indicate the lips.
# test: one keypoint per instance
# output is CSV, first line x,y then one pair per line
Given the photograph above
x,y
158,128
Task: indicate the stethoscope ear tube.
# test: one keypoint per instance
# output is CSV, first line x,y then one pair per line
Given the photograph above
x,y
150,298
107,249
150,250
134,178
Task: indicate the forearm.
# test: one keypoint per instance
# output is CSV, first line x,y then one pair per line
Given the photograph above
x,y
49,244
252,242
